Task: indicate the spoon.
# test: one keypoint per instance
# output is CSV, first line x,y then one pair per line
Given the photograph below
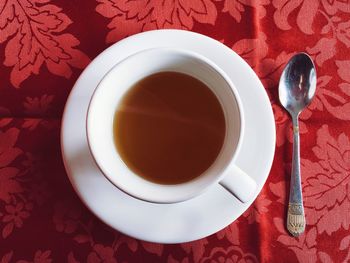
x,y
296,89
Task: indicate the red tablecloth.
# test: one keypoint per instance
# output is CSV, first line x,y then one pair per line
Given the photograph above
x,y
46,44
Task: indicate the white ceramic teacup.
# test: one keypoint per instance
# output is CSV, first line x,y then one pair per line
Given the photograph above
x,y
116,83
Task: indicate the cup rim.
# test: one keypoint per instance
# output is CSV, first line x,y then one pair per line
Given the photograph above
x,y
218,178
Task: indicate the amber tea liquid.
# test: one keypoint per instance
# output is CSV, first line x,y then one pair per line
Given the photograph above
x,y
169,128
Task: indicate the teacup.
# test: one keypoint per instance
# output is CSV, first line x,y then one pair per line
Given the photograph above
x,y
120,79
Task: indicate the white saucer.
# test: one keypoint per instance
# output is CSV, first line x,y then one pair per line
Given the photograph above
x,y
168,223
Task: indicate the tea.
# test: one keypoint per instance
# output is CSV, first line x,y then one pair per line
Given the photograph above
x,y
169,128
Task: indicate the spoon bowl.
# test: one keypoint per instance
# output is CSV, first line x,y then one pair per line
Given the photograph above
x,y
298,83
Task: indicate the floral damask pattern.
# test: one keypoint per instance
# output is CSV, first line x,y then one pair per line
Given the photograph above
x,y
304,247
326,187
321,17
32,32
327,183
43,46
138,16
237,7
229,255
39,257
21,186
130,17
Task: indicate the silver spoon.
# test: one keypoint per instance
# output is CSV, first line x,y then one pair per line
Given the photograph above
x,y
296,89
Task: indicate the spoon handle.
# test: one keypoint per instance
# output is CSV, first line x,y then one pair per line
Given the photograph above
x,y
296,216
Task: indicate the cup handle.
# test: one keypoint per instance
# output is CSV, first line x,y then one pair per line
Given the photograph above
x,y
239,184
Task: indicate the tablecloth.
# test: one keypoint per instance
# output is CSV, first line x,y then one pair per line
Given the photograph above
x,y
45,45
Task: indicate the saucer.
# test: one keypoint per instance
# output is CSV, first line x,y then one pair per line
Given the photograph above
x,y
179,222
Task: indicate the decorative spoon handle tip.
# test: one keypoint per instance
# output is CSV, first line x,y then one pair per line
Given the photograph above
x,y
295,219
